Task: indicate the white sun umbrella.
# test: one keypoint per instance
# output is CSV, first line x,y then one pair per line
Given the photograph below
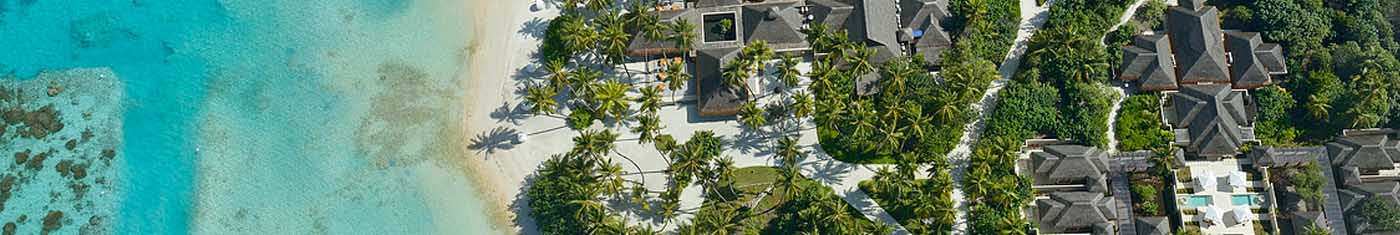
x,y
1210,215
1206,180
1237,180
1241,215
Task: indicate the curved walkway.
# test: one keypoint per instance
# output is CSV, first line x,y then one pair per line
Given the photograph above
x,y
1032,17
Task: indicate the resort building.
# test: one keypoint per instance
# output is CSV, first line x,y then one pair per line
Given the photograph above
x,y
1194,50
1210,121
1292,212
1364,167
1072,186
1205,72
892,29
1076,212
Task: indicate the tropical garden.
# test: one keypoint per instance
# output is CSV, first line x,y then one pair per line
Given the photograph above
x,y
1059,93
584,80
1341,55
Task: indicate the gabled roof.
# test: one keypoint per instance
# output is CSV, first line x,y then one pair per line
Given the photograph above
x,y
715,98
1196,40
1213,117
1061,164
1074,211
777,23
1370,151
1270,156
1149,61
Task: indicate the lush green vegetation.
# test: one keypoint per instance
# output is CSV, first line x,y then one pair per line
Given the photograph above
x,y
1057,93
922,206
1384,215
912,113
1139,125
1341,55
987,27
768,200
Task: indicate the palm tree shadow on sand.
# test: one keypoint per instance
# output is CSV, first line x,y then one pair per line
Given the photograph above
x,y
498,139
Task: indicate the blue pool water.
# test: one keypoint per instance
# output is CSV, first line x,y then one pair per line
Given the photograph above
x,y
1199,201
270,116
1245,199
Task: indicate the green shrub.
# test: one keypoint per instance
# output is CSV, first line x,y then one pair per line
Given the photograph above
x,y
1139,125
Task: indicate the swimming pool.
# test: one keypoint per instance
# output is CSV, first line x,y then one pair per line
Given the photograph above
x,y
1245,200
1199,201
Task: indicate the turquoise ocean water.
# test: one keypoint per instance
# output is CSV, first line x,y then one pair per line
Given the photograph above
x,y
271,116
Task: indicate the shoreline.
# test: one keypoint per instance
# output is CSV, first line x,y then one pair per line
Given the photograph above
x,y
493,53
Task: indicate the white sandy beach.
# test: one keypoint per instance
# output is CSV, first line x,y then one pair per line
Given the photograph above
x,y
493,55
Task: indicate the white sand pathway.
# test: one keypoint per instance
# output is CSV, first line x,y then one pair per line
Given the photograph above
x,y
1032,17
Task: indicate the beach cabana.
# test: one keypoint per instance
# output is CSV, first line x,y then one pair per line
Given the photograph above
x,y
1210,215
1205,181
1240,216
1237,181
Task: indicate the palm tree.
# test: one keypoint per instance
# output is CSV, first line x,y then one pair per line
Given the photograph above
x,y
599,5
647,126
789,181
684,34
582,81
787,72
735,75
676,78
593,143
863,120
788,150
558,77
892,137
918,121
947,109
541,99
576,34
831,112
588,210
815,36
610,180
615,39
801,104
637,14
650,100
859,59
1318,106
611,96
820,75
751,116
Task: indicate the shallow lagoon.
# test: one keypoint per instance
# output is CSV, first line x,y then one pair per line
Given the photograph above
x,y
270,116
